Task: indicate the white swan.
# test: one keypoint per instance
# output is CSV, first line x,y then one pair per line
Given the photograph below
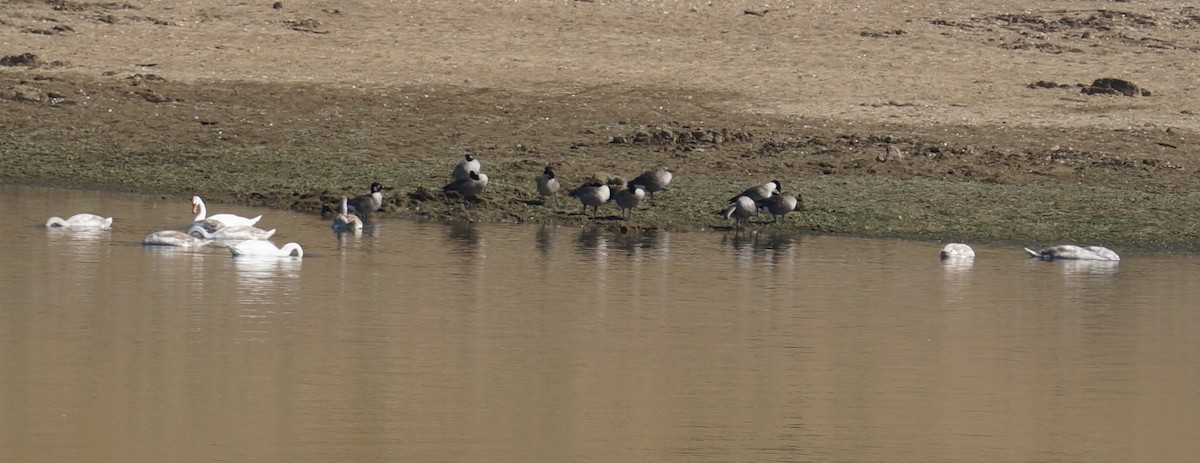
x,y
265,249
957,251
173,238
346,221
81,222
232,232
1072,252
221,220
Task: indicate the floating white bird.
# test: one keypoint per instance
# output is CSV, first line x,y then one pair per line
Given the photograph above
x,y
464,168
216,221
957,251
1072,252
232,232
741,209
594,193
654,181
548,185
345,221
364,205
628,199
81,222
259,248
173,238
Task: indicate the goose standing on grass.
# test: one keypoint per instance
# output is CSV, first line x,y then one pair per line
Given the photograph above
x,y
81,222
364,205
174,238
217,221
760,192
593,193
465,167
469,188
740,209
345,221
779,205
232,232
628,199
654,181
548,185
259,248
956,251
1072,252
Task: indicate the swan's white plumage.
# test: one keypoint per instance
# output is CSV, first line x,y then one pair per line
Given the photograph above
x,y
232,232
223,220
957,251
81,222
260,248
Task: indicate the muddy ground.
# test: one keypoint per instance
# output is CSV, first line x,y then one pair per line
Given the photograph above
x,y
930,120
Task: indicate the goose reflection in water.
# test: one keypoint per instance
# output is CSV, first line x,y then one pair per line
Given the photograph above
x,y
592,242
762,241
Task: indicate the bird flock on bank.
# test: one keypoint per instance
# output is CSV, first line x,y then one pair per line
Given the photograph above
x,y
241,236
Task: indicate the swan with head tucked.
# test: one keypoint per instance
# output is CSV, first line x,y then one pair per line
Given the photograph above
x,y
258,248
81,222
1072,252
232,232
217,221
345,221
174,238
957,251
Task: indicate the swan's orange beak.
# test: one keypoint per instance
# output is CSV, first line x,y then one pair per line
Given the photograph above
x,y
195,208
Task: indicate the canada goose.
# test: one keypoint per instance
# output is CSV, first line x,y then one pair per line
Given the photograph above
x,y
629,198
465,167
81,222
779,204
216,221
469,188
654,181
1068,251
345,221
548,185
260,248
232,232
173,238
957,251
594,194
740,209
364,205
760,192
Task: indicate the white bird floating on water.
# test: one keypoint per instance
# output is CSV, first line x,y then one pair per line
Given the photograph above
x,y
345,221
81,222
232,232
217,221
259,248
1072,252
174,238
957,251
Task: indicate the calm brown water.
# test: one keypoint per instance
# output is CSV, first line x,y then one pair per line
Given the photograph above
x,y
426,342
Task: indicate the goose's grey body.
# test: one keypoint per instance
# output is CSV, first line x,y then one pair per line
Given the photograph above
x,y
760,192
779,204
81,222
548,185
740,210
364,205
469,188
654,181
463,169
593,194
628,199
1072,252
957,251
232,232
345,221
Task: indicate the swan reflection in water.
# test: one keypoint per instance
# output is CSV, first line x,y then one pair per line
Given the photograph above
x,y
263,280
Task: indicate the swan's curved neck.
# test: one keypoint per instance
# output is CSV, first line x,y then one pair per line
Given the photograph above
x,y
345,209
198,205
287,249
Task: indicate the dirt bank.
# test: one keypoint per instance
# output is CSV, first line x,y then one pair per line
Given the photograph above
x,y
932,120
